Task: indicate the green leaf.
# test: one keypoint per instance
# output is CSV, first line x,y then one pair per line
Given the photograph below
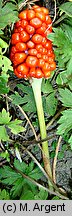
x,y
4,195
20,166
61,78
29,102
6,64
46,86
35,173
66,97
55,198
0,5
52,155
1,60
8,18
3,44
65,122
31,166
60,155
17,99
1,32
69,20
4,117
67,8
42,195
51,104
68,30
54,143
70,141
3,134
27,195
5,155
70,84
27,169
20,186
8,7
3,83
8,175
63,45
69,68
15,127
17,188
8,14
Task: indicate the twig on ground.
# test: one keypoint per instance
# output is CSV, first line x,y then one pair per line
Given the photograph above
x,y
7,105
55,159
28,143
36,137
53,18
55,12
22,111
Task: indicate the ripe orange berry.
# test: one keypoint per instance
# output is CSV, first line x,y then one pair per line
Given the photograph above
x,y
30,14
39,73
15,38
37,38
47,74
23,69
23,15
21,46
41,16
32,72
24,36
30,44
36,22
31,61
19,58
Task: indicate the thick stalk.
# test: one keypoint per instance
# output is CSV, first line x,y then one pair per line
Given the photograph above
x,y
36,86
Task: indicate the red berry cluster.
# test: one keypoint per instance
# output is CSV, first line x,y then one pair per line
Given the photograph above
x,y
31,52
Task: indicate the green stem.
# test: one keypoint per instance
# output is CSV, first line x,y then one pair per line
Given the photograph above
x,y
36,86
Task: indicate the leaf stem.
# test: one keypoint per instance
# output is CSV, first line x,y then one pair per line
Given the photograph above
x,y
36,86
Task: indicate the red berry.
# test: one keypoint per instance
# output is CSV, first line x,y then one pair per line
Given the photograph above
x,y
19,75
39,73
37,38
30,29
47,74
15,38
19,58
36,22
31,61
24,36
23,15
32,52
41,62
21,46
53,66
23,69
32,72
30,14
30,44
41,16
